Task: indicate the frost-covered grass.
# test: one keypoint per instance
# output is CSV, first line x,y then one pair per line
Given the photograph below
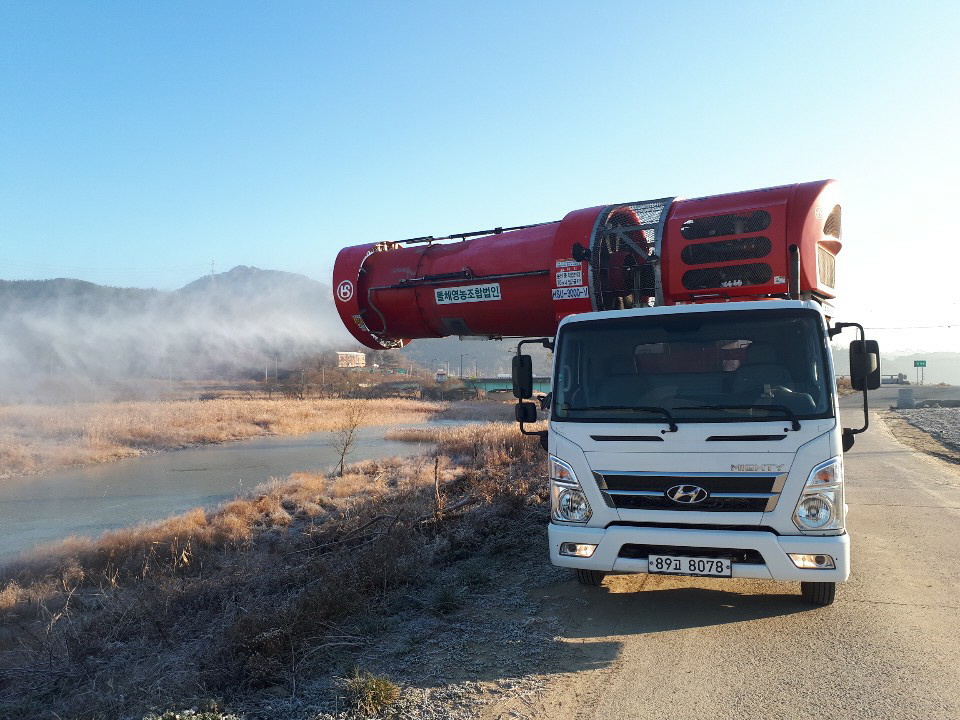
x,y
280,594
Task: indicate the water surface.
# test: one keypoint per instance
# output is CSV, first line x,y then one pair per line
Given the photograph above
x,y
89,500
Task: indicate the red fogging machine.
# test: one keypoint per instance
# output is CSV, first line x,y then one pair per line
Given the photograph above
x,y
521,281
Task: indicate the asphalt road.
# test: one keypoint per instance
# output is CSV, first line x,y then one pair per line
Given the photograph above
x,y
663,647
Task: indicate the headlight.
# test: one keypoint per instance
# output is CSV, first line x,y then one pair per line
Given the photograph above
x,y
572,506
568,503
814,511
821,503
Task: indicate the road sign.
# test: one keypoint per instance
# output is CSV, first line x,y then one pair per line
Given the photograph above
x,y
919,363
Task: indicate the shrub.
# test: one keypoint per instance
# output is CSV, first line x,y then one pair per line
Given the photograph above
x,y
370,694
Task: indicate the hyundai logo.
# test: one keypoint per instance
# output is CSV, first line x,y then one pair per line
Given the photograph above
x,y
687,494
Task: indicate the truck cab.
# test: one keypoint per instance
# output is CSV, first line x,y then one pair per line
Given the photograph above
x,y
699,440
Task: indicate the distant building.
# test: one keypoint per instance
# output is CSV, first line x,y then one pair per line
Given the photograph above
x,y
898,379
351,359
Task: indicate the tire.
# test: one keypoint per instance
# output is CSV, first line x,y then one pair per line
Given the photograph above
x,y
819,593
591,578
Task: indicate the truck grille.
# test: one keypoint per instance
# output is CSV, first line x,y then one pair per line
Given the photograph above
x,y
740,492
737,555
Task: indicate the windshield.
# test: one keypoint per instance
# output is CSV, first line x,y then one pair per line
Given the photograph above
x,y
698,367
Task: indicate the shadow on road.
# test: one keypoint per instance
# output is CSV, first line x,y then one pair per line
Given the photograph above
x,y
570,628
632,605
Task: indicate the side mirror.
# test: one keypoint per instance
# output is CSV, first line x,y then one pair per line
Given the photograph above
x,y
864,364
847,439
522,371
526,412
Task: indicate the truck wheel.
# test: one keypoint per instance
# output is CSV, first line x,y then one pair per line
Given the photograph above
x,y
819,593
592,578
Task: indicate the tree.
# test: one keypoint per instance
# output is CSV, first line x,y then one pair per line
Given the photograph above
x,y
346,430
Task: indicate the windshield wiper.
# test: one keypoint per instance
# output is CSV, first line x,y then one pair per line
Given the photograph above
x,y
794,423
634,408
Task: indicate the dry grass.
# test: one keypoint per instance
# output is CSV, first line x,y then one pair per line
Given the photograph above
x,y
490,410
472,445
844,386
267,592
37,438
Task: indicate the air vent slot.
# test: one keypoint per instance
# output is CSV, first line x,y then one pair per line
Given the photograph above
x,y
745,438
719,225
826,267
727,276
626,438
726,250
832,225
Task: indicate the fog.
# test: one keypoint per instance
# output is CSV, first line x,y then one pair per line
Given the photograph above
x,y
67,340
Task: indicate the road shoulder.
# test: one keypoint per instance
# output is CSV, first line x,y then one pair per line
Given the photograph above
x,y
917,439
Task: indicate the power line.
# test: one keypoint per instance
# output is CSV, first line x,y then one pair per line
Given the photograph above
x,y
915,327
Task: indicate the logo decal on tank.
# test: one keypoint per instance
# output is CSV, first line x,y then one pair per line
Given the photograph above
x,y
467,293
345,291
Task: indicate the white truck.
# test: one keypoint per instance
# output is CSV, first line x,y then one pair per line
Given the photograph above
x,y
694,427
699,440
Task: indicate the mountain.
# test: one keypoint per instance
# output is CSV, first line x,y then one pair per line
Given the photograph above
x,y
84,338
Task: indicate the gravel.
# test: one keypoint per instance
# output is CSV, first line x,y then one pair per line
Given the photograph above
x,y
941,423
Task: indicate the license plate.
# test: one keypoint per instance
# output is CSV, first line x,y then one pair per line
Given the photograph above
x,y
684,565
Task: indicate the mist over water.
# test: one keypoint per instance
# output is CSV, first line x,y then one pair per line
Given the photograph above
x,y
69,340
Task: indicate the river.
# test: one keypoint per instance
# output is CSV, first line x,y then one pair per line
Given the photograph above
x,y
86,501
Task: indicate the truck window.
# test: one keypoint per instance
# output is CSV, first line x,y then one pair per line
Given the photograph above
x,y
704,367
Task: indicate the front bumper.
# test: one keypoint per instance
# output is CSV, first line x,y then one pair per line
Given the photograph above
x,y
773,548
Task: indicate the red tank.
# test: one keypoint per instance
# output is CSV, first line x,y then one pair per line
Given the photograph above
x,y
521,282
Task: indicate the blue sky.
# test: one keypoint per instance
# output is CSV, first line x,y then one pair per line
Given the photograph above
x,y
141,141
